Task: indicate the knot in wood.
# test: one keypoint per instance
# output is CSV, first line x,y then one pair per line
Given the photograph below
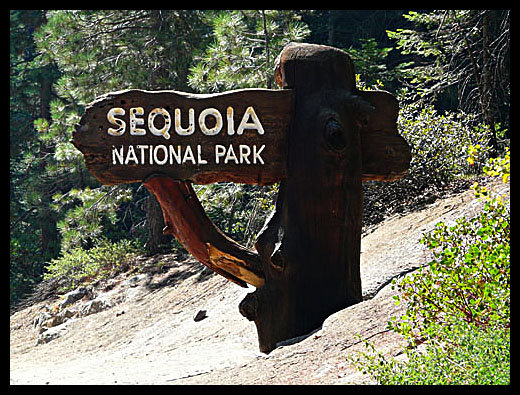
x,y
249,307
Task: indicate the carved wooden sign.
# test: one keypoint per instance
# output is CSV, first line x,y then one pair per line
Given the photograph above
x,y
320,136
238,136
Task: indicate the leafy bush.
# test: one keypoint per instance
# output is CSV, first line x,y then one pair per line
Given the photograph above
x,y
439,145
459,305
465,356
79,265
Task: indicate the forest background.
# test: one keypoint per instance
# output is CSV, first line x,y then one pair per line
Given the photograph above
x,y
449,68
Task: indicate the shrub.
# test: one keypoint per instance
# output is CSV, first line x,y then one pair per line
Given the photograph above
x,y
458,305
465,356
469,277
78,265
439,144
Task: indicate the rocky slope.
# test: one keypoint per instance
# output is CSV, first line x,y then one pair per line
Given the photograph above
x,y
174,322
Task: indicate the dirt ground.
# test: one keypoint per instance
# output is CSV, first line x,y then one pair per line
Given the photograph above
x,y
149,335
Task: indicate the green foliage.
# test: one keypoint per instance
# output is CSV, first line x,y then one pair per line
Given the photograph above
x,y
465,52
459,304
105,50
465,356
25,266
499,167
96,214
30,222
370,63
79,265
469,277
239,210
439,142
243,52
432,40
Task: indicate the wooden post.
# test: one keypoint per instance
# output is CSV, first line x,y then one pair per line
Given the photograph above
x,y
319,136
310,247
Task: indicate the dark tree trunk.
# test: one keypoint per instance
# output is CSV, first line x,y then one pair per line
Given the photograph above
x,y
487,99
310,247
49,231
157,240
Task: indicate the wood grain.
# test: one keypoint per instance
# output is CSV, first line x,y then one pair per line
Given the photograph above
x,y
272,107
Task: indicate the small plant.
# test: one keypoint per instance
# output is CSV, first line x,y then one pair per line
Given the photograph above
x,y
463,356
79,265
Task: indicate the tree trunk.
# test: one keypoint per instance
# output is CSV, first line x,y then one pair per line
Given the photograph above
x,y
49,231
310,247
156,241
487,78
331,27
267,54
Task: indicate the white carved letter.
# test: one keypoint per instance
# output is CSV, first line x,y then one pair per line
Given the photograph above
x,y
202,121
118,155
250,113
167,123
164,150
220,151
191,126
230,121
111,116
134,121
256,154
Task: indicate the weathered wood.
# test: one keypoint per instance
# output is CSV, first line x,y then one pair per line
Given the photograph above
x,y
385,153
320,136
186,219
310,246
255,157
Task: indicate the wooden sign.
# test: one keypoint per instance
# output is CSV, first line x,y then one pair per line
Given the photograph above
x,y
320,136
238,136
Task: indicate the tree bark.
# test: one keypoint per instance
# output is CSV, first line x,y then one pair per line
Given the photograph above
x,y
48,228
310,246
487,78
267,54
157,240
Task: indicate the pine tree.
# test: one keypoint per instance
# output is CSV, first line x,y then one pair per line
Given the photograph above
x,y
466,49
244,49
33,232
107,50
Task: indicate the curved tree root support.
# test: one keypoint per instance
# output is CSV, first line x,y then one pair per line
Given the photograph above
x,y
186,219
